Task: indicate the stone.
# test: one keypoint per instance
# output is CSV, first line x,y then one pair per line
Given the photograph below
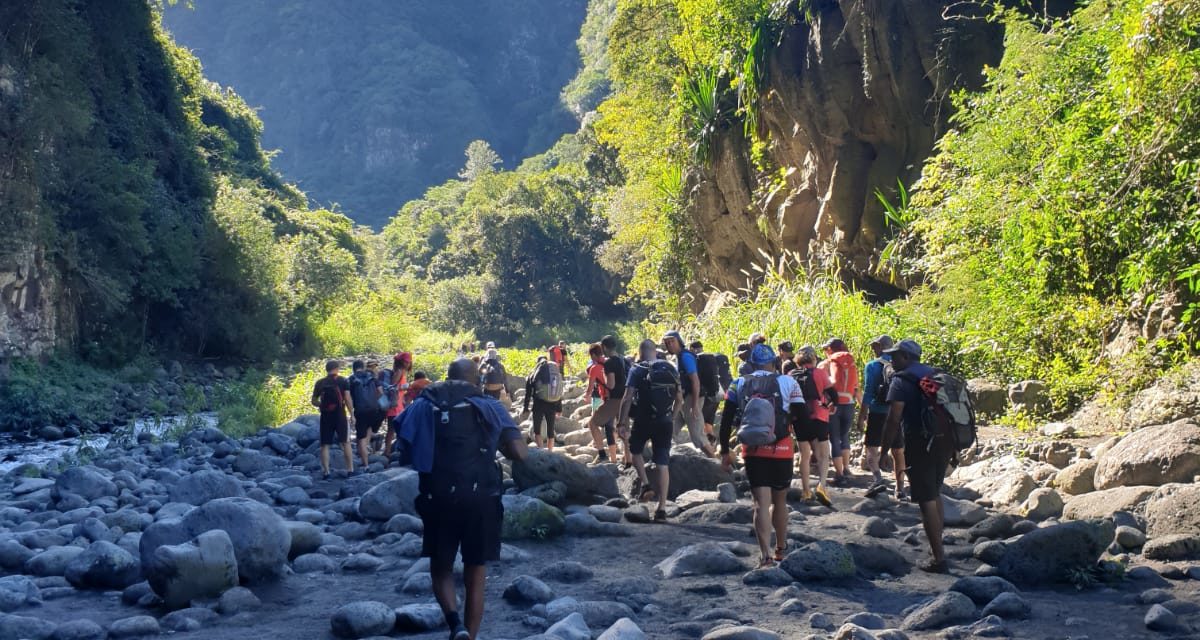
x,y
17,592
1155,455
820,560
706,558
237,600
1101,504
363,619
13,555
1077,478
251,463
727,492
419,617
134,626
103,565
1010,488
623,629
1172,510
982,589
1030,396
853,632
304,537
201,486
1042,504
718,513
793,607
946,609
390,497
605,513
740,633
767,577
1009,606
996,526
79,629
528,590
581,481
86,482
820,620
585,524
361,563
572,627
877,527
25,627
52,561
404,523
202,568
1130,537
960,513
1160,618
1058,430
1176,546
567,571
987,397
1049,554
866,620
313,563
597,613
690,470
260,540
526,517
638,514
874,559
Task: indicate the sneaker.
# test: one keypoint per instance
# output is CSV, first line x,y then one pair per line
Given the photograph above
x,y
603,456
460,633
660,515
822,497
876,489
932,566
807,496
324,475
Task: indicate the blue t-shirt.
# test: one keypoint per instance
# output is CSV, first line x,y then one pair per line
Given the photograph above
x,y
687,367
909,392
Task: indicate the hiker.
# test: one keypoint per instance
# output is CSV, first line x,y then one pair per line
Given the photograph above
x,y
331,395
743,354
597,391
812,433
786,361
368,417
839,364
692,412
544,389
927,463
560,357
615,377
493,374
708,369
452,433
418,384
768,403
877,378
402,365
654,399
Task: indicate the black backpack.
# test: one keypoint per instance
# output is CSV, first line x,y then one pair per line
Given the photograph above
x,y
808,386
492,372
885,381
724,374
655,400
363,387
464,465
709,372
330,397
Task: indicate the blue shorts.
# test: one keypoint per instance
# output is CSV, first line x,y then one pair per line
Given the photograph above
x,y
658,435
839,428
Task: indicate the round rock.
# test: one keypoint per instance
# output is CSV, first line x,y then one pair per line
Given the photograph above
x,y
363,619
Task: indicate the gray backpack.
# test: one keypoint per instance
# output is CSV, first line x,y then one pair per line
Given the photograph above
x,y
763,421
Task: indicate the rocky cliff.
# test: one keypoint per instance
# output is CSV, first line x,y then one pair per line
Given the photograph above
x,y
856,98
31,313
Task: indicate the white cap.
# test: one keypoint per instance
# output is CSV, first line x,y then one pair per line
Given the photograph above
x,y
490,345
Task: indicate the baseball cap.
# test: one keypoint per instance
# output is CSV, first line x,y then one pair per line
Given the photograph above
x,y
786,345
743,350
675,335
908,346
837,344
762,354
490,345
884,341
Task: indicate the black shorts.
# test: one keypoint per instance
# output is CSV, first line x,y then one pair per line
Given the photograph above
x,y
709,410
809,430
367,422
472,528
544,411
926,471
659,437
875,424
775,473
495,393
334,428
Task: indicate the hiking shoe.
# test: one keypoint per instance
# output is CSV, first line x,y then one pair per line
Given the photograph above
x,y
876,489
324,475
822,497
603,456
660,515
932,566
460,633
807,496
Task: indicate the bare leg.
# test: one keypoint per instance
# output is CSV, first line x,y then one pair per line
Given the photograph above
x,y
362,450
873,462
664,485
931,520
639,465
389,440
443,589
475,577
898,459
806,452
822,463
762,520
325,459
348,455
779,517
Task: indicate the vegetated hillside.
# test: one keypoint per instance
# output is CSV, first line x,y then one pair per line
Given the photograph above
x,y
372,102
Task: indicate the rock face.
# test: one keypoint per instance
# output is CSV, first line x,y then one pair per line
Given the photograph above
x,y
1172,510
260,540
1152,456
831,107
1047,555
34,316
202,568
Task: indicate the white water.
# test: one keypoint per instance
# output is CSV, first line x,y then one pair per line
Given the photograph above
x,y
14,454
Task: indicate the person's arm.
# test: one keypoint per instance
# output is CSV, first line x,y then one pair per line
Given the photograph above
x,y
348,403
892,426
316,396
626,405
728,417
697,399
515,448
610,379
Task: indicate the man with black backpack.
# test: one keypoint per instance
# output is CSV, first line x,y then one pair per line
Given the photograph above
x,y
877,379
368,418
493,374
652,403
331,396
544,389
925,453
708,368
452,433
692,412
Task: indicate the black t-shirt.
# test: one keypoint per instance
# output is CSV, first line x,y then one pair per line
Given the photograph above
x,y
343,387
904,389
615,365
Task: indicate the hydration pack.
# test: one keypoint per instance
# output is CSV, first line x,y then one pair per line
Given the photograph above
x,y
948,417
763,421
548,383
464,464
656,391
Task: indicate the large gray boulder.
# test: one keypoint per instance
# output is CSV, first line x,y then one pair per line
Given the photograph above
x,y
363,619
52,561
1049,554
86,482
390,497
820,560
1031,396
691,471
1101,504
260,539
1154,455
706,558
1078,478
103,565
526,517
204,485
946,609
203,568
581,481
1172,509
17,592
988,398
1176,546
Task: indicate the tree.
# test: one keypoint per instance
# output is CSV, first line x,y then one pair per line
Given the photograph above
x,y
481,161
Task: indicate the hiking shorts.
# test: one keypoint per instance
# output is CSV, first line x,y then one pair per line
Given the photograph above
x,y
710,409
775,473
810,430
367,422
659,437
473,529
334,428
544,411
839,428
875,425
926,471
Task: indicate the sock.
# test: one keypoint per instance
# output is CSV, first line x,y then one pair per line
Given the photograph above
x,y
452,619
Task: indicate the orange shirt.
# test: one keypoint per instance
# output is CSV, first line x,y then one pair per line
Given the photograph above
x,y
597,377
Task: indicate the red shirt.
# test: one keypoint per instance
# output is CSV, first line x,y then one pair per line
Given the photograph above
x,y
597,378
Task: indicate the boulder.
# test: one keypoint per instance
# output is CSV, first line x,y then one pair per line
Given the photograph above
x,y
995,527
586,524
820,560
961,513
86,482
1042,504
1101,504
25,627
1154,456
572,627
79,629
1048,554
706,558
363,619
304,537
596,613
261,542
1011,488
740,633
1172,397
103,565
1175,546
567,571
1058,430
690,470
982,589
581,481
17,592
623,629
718,513
1078,478
526,517
204,485
528,590
52,561
390,497
134,626
988,398
1008,605
1031,396
946,609
1172,510
1160,618
1130,537
202,568
419,617
874,558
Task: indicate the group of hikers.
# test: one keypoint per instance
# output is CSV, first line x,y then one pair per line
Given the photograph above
x,y
787,410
